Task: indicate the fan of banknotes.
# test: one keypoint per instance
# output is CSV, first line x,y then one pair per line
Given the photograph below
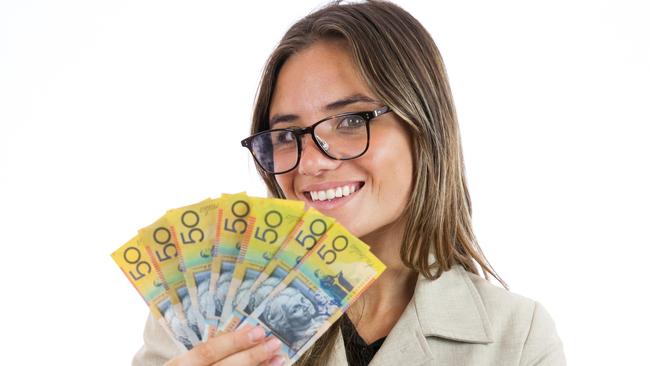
x,y
223,263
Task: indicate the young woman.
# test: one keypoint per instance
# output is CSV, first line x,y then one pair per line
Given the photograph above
x,y
359,96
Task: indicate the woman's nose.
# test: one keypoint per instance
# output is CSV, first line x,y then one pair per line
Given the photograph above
x,y
313,161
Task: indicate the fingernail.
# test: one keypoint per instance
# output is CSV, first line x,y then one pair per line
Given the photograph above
x,y
272,345
276,361
256,334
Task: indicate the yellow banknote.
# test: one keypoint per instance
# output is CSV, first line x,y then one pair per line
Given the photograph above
x,y
304,236
193,228
233,232
158,240
331,276
134,262
273,220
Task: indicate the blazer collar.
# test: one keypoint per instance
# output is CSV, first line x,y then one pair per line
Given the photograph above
x,y
448,307
404,345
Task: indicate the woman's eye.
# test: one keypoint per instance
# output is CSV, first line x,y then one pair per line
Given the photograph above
x,y
284,138
351,122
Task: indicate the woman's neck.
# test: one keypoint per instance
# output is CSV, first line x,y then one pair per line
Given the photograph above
x,y
382,304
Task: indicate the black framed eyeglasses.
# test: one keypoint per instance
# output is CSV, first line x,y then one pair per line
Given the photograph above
x,y
341,137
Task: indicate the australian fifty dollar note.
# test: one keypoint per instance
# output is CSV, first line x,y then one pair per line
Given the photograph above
x,y
330,277
272,221
193,229
304,236
232,233
158,240
134,261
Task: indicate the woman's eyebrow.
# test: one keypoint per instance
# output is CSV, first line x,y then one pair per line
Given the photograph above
x,y
282,118
355,98
330,107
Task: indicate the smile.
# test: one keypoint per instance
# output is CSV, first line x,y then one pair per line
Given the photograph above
x,y
333,192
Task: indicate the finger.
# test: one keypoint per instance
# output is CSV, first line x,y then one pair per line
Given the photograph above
x,y
218,348
274,361
255,355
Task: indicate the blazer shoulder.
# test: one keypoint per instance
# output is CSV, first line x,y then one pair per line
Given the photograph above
x,y
158,347
501,302
516,319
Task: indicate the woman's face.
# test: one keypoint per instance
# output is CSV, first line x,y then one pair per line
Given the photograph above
x,y
380,180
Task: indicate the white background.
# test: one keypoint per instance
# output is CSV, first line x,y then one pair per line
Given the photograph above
x,y
112,112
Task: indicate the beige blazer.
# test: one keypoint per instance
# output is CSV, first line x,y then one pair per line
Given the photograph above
x,y
458,319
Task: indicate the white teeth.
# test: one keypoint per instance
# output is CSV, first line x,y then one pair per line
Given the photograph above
x,y
332,193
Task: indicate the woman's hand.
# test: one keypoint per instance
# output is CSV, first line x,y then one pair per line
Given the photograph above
x,y
246,347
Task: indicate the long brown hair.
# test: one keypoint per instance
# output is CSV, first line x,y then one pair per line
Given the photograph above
x,y
402,66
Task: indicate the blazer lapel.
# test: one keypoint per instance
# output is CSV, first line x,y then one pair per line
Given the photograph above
x,y
449,307
405,344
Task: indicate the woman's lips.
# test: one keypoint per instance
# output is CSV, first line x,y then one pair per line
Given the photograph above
x,y
332,197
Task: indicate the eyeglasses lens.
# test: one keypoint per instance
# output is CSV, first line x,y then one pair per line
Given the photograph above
x,y
340,138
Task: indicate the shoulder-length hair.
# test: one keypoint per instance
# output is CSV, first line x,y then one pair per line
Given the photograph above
x,y
400,63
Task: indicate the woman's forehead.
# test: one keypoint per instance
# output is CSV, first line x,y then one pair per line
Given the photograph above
x,y
331,108
311,81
